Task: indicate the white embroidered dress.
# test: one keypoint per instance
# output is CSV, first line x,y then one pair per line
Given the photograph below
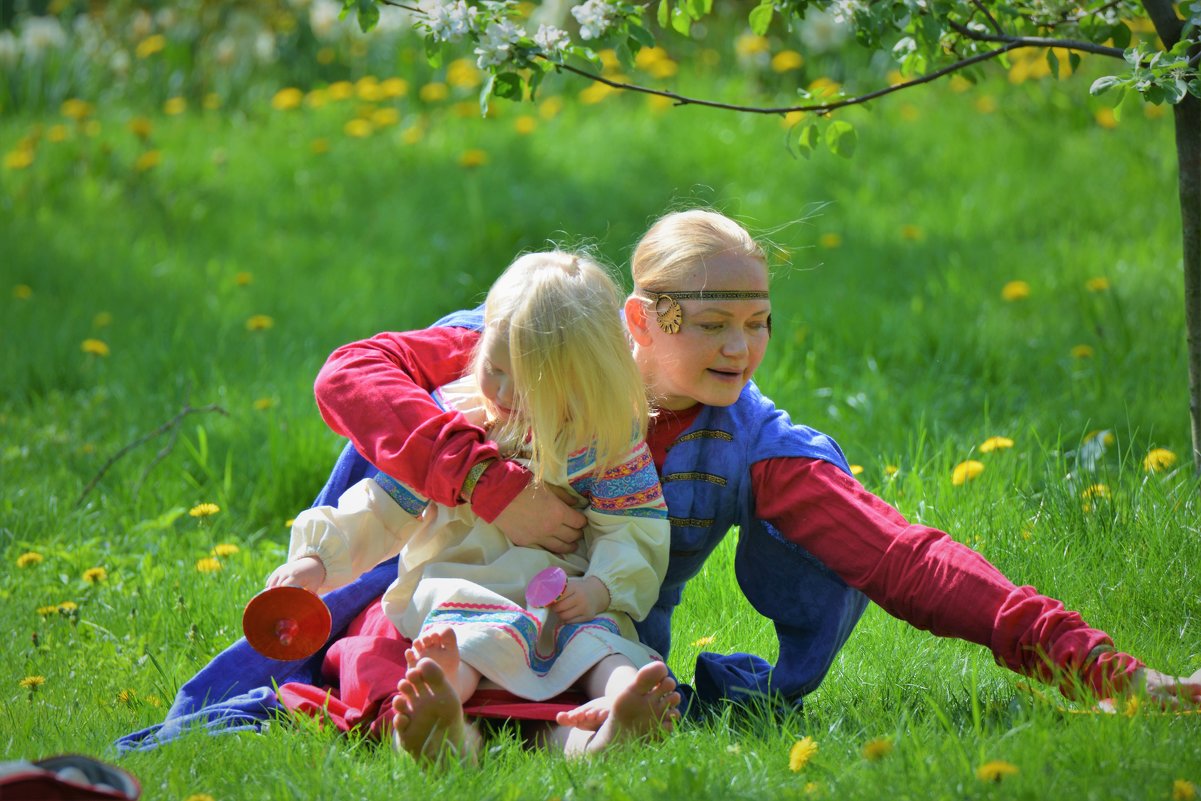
x,y
456,569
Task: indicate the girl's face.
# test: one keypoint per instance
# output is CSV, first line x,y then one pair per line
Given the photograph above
x,y
719,345
496,372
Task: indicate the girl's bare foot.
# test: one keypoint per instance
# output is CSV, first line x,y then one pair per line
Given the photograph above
x,y
588,716
440,645
647,708
429,721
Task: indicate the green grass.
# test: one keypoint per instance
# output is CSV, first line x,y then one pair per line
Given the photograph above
x,y
896,342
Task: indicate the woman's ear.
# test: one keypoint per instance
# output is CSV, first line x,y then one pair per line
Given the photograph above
x,y
636,320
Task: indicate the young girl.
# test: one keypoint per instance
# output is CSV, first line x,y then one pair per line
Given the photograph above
x,y
554,387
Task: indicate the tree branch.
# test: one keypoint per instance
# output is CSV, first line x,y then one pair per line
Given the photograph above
x,y
1167,23
1037,41
170,425
996,26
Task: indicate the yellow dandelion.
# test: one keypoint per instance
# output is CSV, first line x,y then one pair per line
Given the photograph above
x,y
225,549
1158,459
811,788
384,117
995,771
126,696
319,146
154,701
212,101
358,128
175,106
596,93
647,57
856,469
891,470
148,160
367,89
32,682
658,103
18,159
1027,533
703,641
244,278
787,61
30,558
550,107
57,133
1106,118
894,77
152,44
995,444
1153,112
102,319
1183,790
1015,290
95,575
1096,491
259,322
966,471
1132,706
608,58
463,74
1098,284
341,90
912,232
76,109
791,118
1083,352
208,565
47,611
877,749
95,347
67,607
986,104
830,240
473,158
140,127
801,752
433,92
394,87
960,84
263,404
1107,437
204,510
22,292
748,44
525,124
287,99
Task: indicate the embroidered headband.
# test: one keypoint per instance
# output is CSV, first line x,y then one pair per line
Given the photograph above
x,y
669,315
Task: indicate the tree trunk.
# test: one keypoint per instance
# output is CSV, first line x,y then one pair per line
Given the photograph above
x,y
1188,157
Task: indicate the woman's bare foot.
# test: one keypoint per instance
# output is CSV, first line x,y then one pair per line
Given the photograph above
x,y
429,721
647,708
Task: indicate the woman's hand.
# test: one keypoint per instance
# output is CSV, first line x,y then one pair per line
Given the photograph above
x,y
542,517
1171,692
583,599
307,572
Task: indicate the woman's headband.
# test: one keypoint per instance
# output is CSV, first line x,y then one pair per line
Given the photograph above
x,y
669,315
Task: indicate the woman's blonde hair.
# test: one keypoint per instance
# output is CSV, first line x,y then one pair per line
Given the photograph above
x,y
575,380
677,241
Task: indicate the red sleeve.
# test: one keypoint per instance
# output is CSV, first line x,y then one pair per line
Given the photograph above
x,y
924,577
376,393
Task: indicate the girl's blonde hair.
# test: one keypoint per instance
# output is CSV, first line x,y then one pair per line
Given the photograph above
x,y
575,380
677,241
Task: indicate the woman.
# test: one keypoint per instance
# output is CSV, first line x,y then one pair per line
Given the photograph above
x,y
814,545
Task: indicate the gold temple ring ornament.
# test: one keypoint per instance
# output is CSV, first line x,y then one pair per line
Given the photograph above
x,y
668,313
670,316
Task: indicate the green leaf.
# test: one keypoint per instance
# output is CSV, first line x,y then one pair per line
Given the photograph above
x,y
1074,60
486,93
841,138
1121,35
664,13
433,53
1053,63
535,81
681,21
507,85
624,56
696,8
760,18
1104,84
642,36
806,141
368,14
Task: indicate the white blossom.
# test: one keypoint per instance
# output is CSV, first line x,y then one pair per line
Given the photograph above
x,y
42,33
447,22
551,39
323,18
496,45
264,47
595,17
845,10
821,33
10,51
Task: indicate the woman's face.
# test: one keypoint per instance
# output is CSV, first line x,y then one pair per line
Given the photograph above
x,y
720,343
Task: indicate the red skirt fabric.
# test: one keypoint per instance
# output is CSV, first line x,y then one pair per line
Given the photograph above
x,y
362,668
